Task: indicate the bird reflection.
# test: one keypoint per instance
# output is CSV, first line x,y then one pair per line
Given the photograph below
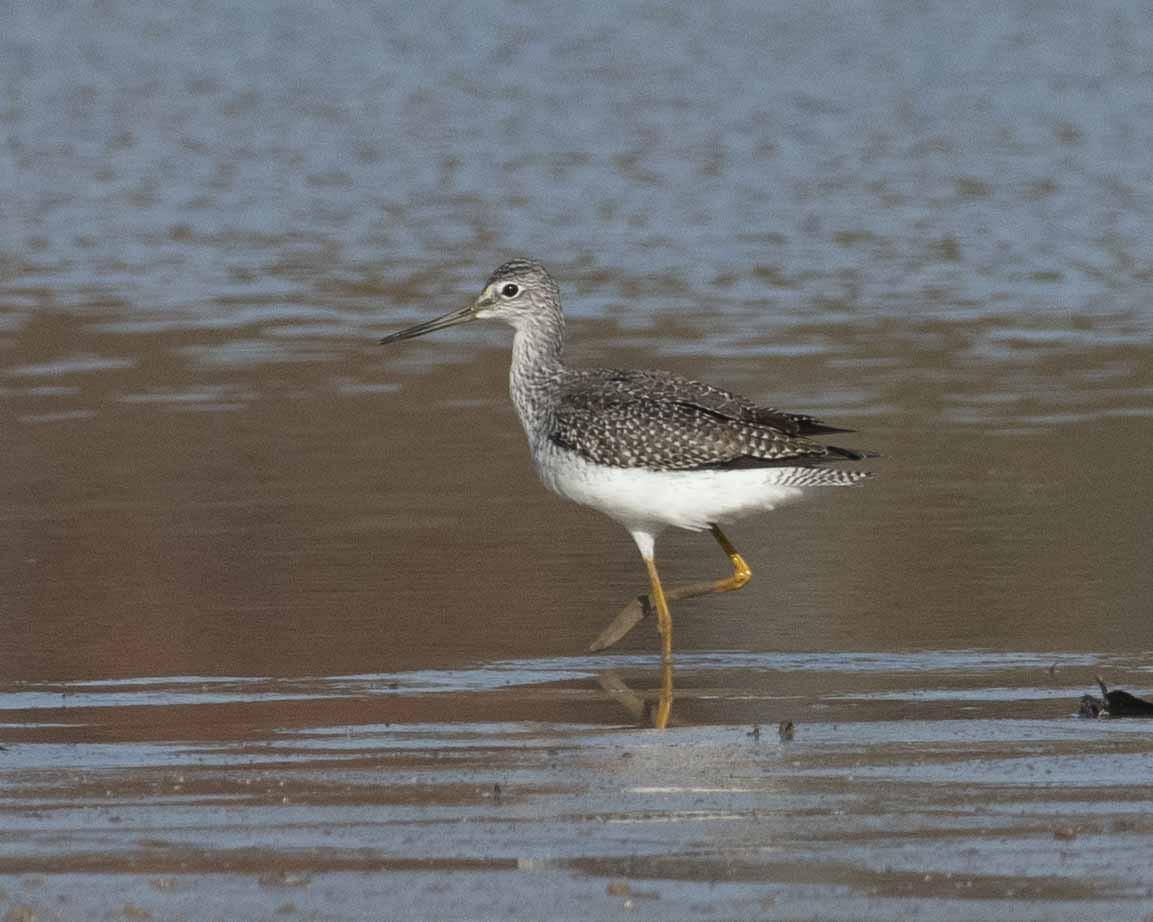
x,y
641,709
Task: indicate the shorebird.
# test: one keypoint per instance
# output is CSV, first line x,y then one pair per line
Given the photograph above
x,y
650,449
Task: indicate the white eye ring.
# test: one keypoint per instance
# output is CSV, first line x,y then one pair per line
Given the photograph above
x,y
510,291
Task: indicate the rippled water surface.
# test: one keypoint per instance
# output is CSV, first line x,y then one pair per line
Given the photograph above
x,y
235,526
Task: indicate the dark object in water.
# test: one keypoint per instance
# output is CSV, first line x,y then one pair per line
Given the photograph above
x,y
786,730
1092,708
1115,703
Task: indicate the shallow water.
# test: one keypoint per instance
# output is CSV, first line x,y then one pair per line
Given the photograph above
x,y
247,547
949,784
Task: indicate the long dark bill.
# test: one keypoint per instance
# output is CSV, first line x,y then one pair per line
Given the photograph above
x,y
451,319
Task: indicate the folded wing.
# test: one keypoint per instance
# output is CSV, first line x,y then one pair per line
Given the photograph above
x,y
665,422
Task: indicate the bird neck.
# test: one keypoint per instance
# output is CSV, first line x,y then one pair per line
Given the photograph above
x,y
536,372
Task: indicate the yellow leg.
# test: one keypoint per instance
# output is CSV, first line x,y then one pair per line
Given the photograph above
x,y
664,619
639,608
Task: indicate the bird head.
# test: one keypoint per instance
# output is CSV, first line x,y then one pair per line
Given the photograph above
x,y
518,292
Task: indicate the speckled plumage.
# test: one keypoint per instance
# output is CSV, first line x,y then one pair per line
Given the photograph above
x,y
651,450
648,448
664,422
652,420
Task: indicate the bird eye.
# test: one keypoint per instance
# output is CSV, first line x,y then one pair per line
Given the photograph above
x,y
510,290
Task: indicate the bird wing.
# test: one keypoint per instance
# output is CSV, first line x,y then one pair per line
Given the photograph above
x,y
665,386
610,426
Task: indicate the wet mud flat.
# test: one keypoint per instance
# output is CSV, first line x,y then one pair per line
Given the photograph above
x,y
916,785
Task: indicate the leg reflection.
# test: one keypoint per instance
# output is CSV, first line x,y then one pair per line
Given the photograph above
x,y
665,702
646,712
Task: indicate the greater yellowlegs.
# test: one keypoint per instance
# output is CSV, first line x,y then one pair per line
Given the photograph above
x,y
647,448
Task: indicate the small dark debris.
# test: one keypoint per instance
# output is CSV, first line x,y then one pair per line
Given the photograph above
x,y
1116,703
786,730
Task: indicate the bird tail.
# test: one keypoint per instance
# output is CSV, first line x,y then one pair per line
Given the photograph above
x,y
850,454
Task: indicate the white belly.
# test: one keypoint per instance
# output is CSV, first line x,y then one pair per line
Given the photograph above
x,y
650,501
